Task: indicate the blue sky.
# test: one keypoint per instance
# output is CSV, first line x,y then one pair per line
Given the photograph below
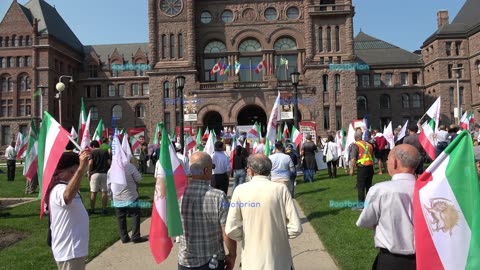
x,y
405,23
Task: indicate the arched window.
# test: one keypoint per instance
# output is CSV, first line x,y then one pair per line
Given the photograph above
x,y
250,45
478,67
329,39
10,84
117,112
166,89
337,82
384,101
7,42
325,82
20,61
28,41
164,46
15,41
94,112
23,82
180,45
28,61
337,38
4,62
416,101
286,58
250,58
4,82
405,101
172,46
362,104
140,111
320,39
11,62
215,47
20,41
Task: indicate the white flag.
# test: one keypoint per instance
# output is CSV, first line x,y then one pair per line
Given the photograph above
x,y
210,145
73,133
388,133
126,147
350,139
272,121
116,173
402,132
85,142
434,112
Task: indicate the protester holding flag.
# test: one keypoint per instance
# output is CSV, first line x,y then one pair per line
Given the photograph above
x,y
98,167
11,156
69,224
260,147
204,223
389,211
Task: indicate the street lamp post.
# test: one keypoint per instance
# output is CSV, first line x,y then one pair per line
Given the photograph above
x,y
42,92
60,87
459,103
180,83
295,79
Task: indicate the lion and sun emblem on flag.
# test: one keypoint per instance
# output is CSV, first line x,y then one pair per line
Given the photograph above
x,y
442,215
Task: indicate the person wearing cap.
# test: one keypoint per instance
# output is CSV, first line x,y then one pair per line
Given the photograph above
x,y
182,158
221,168
69,224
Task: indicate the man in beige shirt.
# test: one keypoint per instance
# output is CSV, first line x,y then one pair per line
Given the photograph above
x,y
262,215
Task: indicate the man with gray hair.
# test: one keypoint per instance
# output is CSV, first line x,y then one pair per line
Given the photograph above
x,y
389,211
262,215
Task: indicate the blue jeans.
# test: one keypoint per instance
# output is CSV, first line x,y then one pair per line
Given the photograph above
x,y
239,178
292,182
308,175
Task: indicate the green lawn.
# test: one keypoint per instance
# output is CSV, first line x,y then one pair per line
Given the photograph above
x,y
350,246
33,252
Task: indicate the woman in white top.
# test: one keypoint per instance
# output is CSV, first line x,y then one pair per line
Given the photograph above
x,y
330,153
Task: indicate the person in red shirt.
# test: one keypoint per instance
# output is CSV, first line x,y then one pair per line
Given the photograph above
x,y
381,151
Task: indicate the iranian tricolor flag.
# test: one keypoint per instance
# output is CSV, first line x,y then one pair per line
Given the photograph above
x,y
340,139
427,138
253,132
466,120
31,162
51,145
296,136
198,140
446,209
272,121
170,186
189,144
286,132
82,121
155,135
85,139
135,140
99,132
210,145
21,145
73,133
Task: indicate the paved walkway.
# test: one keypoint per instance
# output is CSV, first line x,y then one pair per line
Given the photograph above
x,y
307,250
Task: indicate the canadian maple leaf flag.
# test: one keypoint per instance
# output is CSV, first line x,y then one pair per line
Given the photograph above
x,y
216,68
261,66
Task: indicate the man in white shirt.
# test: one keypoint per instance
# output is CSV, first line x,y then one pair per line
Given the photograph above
x,y
389,211
183,159
282,167
69,224
221,168
260,147
11,156
263,216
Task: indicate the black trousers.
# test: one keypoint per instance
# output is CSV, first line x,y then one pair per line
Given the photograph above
x,y
220,181
11,169
134,211
389,261
332,165
364,181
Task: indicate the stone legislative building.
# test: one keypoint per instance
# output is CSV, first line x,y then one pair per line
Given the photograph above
x,y
236,56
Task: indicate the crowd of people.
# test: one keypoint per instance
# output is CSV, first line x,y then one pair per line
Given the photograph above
x,y
260,213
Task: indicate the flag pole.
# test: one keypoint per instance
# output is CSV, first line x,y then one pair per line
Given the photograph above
x,y
421,118
75,143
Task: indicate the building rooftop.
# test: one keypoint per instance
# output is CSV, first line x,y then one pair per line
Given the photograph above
x,y
373,51
127,50
50,22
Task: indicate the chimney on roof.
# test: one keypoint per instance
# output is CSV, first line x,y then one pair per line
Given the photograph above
x,y
442,18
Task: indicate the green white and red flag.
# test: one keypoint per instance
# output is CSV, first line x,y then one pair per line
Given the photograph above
x,y
466,120
156,142
135,140
85,140
21,145
427,138
254,131
210,145
99,132
272,120
340,139
189,144
82,121
73,133
446,209
171,182
286,132
31,157
297,137
52,140
198,141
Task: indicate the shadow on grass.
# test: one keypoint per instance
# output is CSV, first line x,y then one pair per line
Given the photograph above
x,y
299,194
320,214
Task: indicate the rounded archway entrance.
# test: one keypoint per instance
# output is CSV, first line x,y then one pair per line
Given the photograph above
x,y
250,114
213,120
